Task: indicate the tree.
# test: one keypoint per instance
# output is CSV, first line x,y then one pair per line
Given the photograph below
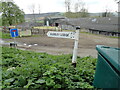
x,y
76,7
107,13
84,12
118,1
11,14
79,5
68,5
80,10
32,9
0,14
39,9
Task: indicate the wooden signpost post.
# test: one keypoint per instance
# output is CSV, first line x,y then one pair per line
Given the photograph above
x,y
69,35
74,58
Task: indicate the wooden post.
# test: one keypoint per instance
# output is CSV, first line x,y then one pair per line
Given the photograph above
x,y
74,58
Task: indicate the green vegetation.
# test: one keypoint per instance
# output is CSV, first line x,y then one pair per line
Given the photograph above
x,y
107,14
76,14
0,21
0,15
11,14
25,69
0,67
5,35
79,9
0,34
113,37
40,21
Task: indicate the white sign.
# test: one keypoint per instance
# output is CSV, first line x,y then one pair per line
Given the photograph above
x,y
70,35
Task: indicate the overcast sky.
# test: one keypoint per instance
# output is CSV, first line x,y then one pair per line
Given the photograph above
x,y
59,6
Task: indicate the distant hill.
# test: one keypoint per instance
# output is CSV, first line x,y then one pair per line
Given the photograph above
x,y
29,17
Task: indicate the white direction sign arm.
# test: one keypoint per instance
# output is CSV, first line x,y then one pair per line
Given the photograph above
x,y
70,35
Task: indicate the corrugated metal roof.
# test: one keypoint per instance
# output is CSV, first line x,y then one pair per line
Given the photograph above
x,y
105,24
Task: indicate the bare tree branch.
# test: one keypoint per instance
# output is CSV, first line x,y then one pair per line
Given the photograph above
x,y
32,9
68,5
39,9
79,6
118,1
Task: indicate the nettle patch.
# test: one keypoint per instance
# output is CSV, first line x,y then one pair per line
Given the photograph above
x,y
25,69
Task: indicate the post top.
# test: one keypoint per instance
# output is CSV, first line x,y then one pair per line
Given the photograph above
x,y
77,27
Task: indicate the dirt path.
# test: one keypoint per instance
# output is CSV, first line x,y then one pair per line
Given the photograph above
x,y
87,44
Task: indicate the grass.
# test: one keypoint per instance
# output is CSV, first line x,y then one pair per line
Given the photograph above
x,y
113,37
5,35
0,34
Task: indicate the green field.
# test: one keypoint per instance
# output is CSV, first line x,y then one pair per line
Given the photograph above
x,y
25,69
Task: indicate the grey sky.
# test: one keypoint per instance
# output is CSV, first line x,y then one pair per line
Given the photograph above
x,y
58,5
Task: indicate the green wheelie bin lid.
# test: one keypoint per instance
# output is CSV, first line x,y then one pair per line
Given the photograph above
x,y
111,54
107,73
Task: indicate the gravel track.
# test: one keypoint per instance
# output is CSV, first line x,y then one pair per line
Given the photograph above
x,y
87,44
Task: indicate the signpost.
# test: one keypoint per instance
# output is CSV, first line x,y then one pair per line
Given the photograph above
x,y
14,33
74,58
69,35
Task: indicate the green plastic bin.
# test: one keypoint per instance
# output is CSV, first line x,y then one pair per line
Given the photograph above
x,y
107,73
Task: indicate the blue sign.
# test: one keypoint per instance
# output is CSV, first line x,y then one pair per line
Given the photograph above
x,y
14,32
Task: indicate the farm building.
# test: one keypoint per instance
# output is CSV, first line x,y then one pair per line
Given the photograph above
x,y
104,25
101,25
52,20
